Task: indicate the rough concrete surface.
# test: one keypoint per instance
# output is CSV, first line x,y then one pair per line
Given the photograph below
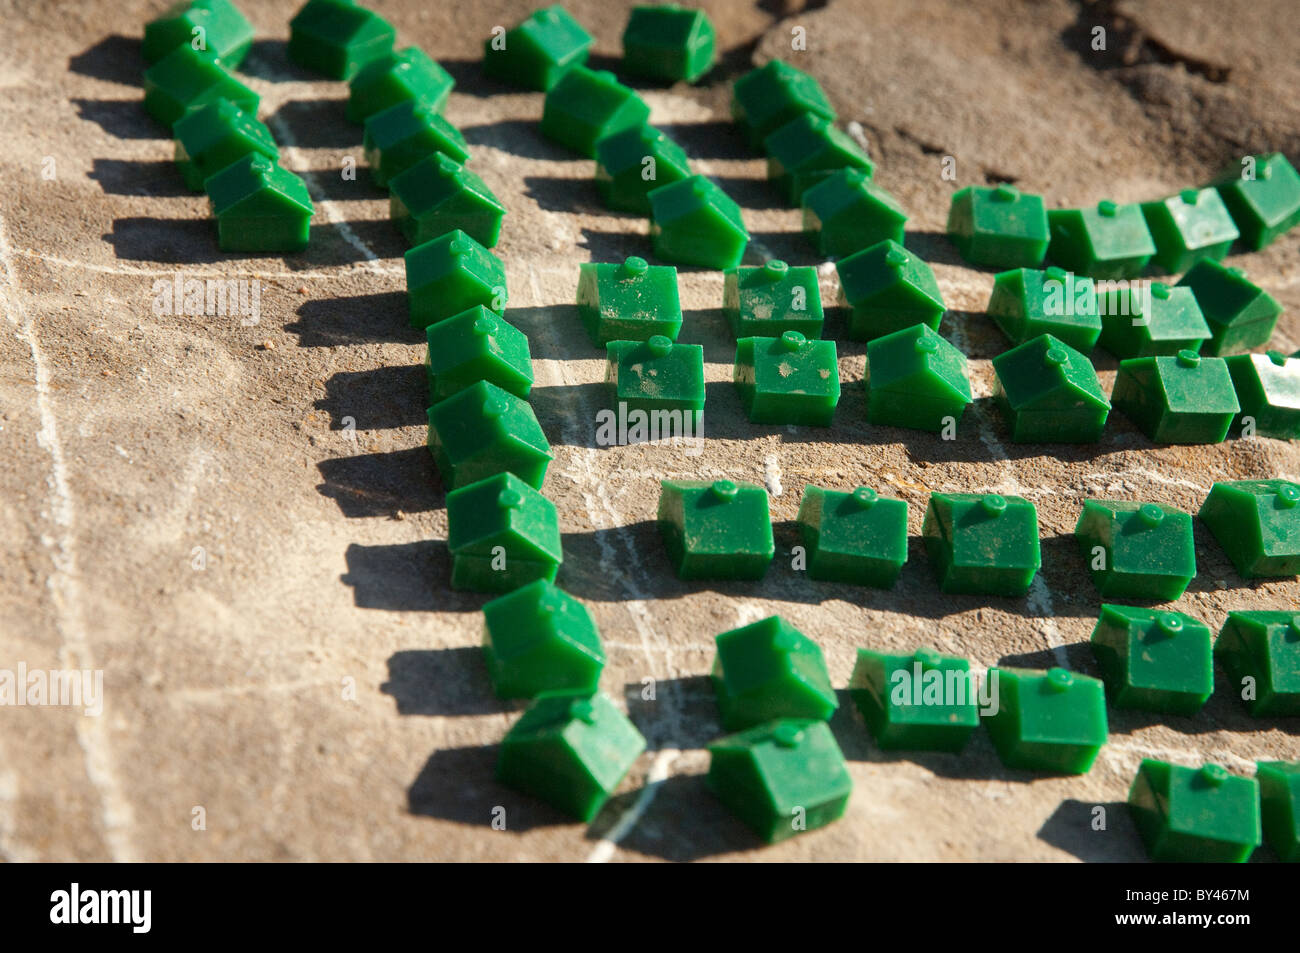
x,y
240,526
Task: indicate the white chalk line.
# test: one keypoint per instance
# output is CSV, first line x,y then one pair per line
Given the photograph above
x,y
343,272
93,735
655,777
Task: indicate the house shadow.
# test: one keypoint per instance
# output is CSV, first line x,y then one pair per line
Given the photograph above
x,y
520,137
676,713
444,682
121,118
320,124
155,179
382,398
1076,828
459,784
406,577
114,59
382,483
355,319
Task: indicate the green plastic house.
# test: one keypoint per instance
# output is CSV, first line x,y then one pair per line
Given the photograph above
x,y
922,701
694,222
771,299
767,98
1195,814
540,639
187,78
1241,315
1165,322
1189,226
1154,660
1182,399
916,379
846,212
404,76
982,543
502,534
214,25
888,288
1110,241
400,136
571,750
1263,197
1027,302
213,136
806,150
584,106
1268,389
536,53
781,778
259,206
769,669
859,538
483,430
668,43
1053,721
451,274
632,301
1049,393
1257,522
439,195
718,530
477,345
657,375
1260,651
634,161
787,380
998,227
1279,805
1137,550
336,38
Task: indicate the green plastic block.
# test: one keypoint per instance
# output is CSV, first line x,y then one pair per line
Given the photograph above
x,y
1135,324
787,380
765,99
1027,302
858,538
439,195
1279,805
768,670
1052,721
694,222
1257,522
916,379
632,162
484,430
451,274
888,288
477,345
982,543
1049,393
657,375
1241,315
1182,399
1260,651
669,43
1189,226
846,212
187,78
259,206
213,136
400,136
404,76
1265,206
808,149
1268,389
918,702
584,106
771,299
1110,241
634,301
718,530
571,750
1137,550
502,534
536,52
1154,660
1188,815
781,778
999,227
336,38
540,639
215,25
